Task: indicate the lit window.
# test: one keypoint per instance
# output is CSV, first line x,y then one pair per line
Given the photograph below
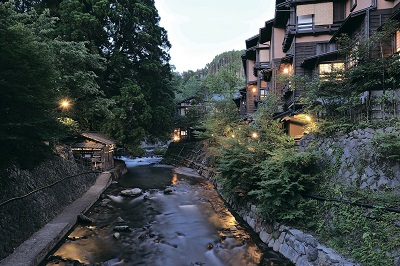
x,y
305,22
397,48
183,133
263,94
327,68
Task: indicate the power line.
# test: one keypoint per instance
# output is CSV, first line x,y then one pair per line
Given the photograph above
x,y
365,205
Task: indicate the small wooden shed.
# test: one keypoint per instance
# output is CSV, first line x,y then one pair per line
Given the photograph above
x,y
95,150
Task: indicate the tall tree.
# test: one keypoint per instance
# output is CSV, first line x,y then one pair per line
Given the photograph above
x,y
27,95
138,53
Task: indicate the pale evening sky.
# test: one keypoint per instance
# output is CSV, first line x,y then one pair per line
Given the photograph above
x,y
200,30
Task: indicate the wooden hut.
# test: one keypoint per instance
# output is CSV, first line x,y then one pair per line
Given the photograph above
x,y
94,150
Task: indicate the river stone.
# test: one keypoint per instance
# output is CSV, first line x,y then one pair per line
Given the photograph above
x,y
120,220
168,191
105,202
122,228
83,218
131,192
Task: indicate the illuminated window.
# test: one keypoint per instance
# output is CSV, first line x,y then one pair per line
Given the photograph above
x,y
397,48
326,69
305,22
263,94
183,133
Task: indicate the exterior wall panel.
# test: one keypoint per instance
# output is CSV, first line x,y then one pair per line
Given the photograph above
x,y
250,76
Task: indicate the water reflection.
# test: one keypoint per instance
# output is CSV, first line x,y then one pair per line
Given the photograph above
x,y
190,226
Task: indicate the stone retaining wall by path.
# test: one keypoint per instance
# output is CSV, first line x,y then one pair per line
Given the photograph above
x,y
301,248
22,217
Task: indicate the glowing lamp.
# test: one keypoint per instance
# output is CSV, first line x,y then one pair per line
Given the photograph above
x,y
65,104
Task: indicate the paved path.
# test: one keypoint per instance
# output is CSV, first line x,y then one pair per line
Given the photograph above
x,y
34,250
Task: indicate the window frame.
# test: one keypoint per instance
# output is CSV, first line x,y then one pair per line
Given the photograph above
x,y
305,26
324,75
396,42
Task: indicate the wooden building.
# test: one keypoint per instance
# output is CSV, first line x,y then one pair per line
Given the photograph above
x,y
301,40
95,151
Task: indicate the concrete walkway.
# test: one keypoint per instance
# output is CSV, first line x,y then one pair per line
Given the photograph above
x,y
34,250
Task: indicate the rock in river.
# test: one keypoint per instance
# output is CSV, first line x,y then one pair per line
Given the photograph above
x,y
122,228
131,192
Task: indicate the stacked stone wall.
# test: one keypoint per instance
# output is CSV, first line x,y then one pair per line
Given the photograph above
x,y
39,202
356,159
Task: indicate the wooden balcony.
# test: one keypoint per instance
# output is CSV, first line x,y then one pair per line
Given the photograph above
x,y
306,29
260,66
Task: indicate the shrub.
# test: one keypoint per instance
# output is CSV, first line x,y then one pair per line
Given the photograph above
x,y
285,177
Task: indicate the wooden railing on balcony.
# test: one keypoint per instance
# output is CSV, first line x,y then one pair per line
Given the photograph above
x,y
260,65
311,28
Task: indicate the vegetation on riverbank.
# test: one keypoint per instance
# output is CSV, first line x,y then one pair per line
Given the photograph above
x,y
256,161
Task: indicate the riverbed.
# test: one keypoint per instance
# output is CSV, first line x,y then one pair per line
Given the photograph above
x,y
178,219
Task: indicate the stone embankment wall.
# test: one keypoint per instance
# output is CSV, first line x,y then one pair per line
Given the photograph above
x,y
355,159
37,196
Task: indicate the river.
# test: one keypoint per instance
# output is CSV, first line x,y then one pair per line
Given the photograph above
x,y
179,219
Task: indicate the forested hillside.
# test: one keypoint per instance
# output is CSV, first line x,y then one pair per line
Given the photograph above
x,y
224,75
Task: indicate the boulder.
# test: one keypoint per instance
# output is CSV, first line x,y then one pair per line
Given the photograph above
x,y
168,191
122,228
134,192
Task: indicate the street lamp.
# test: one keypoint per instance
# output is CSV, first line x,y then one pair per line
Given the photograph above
x,y
64,104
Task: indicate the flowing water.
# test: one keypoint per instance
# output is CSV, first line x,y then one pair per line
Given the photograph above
x,y
189,226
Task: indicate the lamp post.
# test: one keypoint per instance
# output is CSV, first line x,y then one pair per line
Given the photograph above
x,y
65,104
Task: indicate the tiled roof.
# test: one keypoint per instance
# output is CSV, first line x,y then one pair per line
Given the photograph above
x,y
98,137
88,145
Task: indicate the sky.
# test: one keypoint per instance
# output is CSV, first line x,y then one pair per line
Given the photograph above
x,y
200,30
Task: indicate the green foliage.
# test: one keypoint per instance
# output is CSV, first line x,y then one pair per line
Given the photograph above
x,y
387,146
257,160
28,97
129,117
371,236
223,76
109,59
193,87
285,176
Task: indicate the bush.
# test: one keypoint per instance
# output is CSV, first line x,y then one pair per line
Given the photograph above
x,y
387,146
285,177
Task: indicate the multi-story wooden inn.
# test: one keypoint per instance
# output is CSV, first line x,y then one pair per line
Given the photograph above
x,y
301,40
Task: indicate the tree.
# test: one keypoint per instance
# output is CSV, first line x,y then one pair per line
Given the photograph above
x,y
28,96
127,118
134,49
